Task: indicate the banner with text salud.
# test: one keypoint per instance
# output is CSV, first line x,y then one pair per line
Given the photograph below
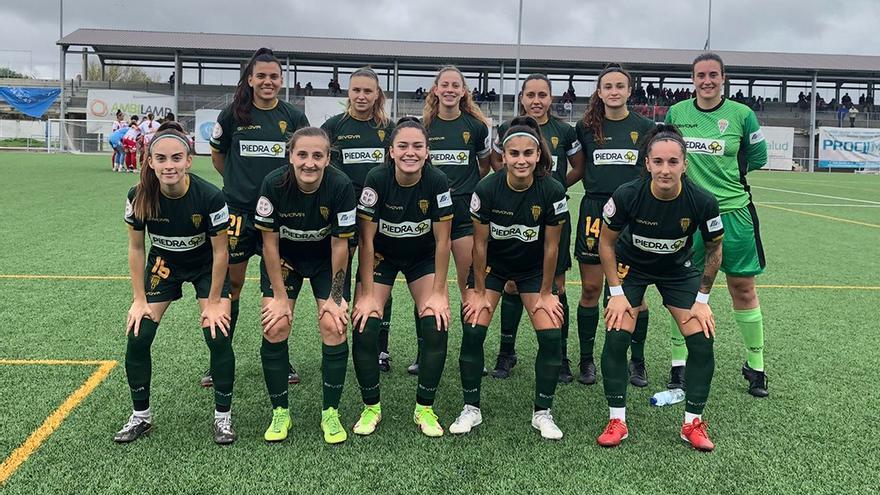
x,y
780,145
849,147
102,105
205,119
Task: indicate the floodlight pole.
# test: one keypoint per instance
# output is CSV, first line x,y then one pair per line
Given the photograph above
x,y
518,51
61,69
813,123
709,31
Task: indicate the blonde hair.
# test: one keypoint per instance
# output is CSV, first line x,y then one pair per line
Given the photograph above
x,y
378,111
466,104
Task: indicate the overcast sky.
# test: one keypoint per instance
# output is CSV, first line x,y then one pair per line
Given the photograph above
x,y
31,28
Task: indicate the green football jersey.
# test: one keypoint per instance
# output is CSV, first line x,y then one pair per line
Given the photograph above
x,y
561,139
357,145
616,161
253,150
306,221
724,143
657,236
456,147
516,221
405,214
180,232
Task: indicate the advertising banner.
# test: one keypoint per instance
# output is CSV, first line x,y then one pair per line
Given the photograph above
x,y
849,147
205,119
780,144
102,105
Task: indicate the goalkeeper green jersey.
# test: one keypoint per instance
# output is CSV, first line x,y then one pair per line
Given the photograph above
x,y
723,144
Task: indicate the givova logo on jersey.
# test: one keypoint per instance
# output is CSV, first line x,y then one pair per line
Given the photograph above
x,y
658,246
303,235
522,233
266,149
615,157
450,157
177,244
353,156
404,229
705,146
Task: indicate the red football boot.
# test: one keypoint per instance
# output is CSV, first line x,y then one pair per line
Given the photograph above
x,y
695,434
614,433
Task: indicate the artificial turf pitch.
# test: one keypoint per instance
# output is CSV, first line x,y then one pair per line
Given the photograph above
x,y
64,293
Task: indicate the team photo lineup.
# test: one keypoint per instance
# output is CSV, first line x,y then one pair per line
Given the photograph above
x,y
359,202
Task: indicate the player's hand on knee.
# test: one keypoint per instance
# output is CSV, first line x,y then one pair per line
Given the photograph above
x,y
549,303
364,308
475,304
702,313
438,306
215,317
617,308
277,309
138,311
337,312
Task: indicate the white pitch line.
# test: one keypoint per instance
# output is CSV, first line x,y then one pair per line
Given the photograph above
x,y
817,195
782,203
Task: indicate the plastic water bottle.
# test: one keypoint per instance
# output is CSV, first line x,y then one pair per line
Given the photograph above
x,y
667,397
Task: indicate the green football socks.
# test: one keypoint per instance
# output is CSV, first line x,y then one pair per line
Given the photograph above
x,y
679,349
751,326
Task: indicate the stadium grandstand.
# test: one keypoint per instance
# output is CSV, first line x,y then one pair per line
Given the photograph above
x,y
793,83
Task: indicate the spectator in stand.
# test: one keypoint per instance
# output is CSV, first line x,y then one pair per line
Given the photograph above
x,y
846,100
493,95
309,89
853,113
739,96
477,97
297,88
869,104
841,115
862,100
652,93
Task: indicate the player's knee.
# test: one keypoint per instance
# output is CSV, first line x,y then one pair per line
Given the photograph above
x,y
590,294
743,293
329,333
278,332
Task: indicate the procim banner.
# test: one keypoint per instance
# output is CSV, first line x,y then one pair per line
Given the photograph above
x,y
205,120
780,144
102,105
849,147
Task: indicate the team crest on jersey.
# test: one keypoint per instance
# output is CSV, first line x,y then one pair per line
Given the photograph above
x,y
634,136
555,141
536,212
197,220
154,281
325,212
381,134
466,136
233,241
282,124
423,205
722,125
685,223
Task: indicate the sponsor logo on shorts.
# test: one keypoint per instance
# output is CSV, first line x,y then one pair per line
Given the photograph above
x,y
264,207
658,246
220,216
705,146
303,235
268,149
345,218
444,200
404,229
177,244
560,206
714,224
354,156
615,157
522,233
369,197
450,157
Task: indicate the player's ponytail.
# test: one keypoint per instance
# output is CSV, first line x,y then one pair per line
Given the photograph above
x,y
663,132
595,113
146,194
244,94
528,125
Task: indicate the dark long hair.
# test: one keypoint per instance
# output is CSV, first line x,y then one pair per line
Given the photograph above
x,y
595,113
529,125
244,94
146,194
534,77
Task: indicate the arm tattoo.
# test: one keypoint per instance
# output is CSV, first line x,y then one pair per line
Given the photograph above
x,y
713,263
336,286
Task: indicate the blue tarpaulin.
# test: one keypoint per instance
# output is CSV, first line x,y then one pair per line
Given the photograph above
x,y
30,101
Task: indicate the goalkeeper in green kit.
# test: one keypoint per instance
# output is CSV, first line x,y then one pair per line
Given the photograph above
x,y
724,143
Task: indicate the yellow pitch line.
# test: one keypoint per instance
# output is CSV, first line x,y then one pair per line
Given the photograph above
x,y
865,224
65,277
56,362
33,442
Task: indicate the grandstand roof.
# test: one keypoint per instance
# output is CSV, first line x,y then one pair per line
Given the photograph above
x,y
160,46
